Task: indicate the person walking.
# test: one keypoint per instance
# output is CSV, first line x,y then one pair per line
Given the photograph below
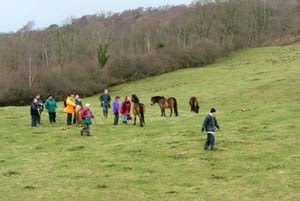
x,y
86,118
70,105
116,109
105,102
50,106
125,110
34,112
209,125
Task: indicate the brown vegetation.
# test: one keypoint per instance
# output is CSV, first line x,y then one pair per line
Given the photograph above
x,y
87,54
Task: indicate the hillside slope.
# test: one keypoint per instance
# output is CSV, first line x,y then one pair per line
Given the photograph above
x,y
255,92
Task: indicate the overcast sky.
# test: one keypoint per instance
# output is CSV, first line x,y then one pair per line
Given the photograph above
x,y
14,14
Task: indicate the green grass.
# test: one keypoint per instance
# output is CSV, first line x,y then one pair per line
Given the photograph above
x,y
256,94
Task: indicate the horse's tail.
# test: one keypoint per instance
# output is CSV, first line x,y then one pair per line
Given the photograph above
x,y
142,112
175,107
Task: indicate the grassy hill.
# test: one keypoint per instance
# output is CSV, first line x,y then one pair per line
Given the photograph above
x,y
256,94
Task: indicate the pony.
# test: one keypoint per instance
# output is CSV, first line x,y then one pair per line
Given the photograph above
x,y
77,116
194,104
138,110
164,103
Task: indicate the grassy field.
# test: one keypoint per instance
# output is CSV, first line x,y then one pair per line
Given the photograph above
x,y
256,94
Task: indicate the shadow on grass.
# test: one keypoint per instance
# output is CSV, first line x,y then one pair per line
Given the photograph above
x,y
28,187
11,173
76,148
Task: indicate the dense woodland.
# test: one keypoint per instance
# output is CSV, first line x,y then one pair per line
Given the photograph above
x,y
86,55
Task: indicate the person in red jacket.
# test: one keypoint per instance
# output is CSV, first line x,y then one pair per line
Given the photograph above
x,y
125,110
86,119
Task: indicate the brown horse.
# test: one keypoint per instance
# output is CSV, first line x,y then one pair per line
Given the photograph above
x,y
77,117
194,104
164,103
138,110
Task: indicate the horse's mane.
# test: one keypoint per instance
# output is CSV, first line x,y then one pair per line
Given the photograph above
x,y
134,98
157,97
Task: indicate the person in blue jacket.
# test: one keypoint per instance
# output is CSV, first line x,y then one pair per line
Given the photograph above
x,y
209,125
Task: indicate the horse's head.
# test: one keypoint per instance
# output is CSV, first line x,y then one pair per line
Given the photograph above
x,y
194,104
154,100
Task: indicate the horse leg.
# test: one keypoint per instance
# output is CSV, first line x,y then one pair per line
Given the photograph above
x,y
171,111
141,121
134,122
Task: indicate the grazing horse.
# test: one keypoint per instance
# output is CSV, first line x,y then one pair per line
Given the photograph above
x,y
164,103
194,104
138,110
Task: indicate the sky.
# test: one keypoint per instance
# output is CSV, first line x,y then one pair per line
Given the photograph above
x,y
14,14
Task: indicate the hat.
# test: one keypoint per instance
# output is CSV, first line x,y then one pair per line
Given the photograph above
x,y
87,105
212,110
117,97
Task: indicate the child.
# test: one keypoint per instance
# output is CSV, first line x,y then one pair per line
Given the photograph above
x,y
86,119
209,125
125,110
116,109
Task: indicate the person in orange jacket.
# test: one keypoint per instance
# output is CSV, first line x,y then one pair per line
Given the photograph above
x,y
69,109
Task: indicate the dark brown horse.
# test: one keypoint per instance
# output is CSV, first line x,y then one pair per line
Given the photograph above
x,y
194,104
138,110
164,103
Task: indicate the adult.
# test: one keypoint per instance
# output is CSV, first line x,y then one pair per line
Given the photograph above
x,y
50,106
105,102
116,109
34,112
209,125
40,106
69,109
125,110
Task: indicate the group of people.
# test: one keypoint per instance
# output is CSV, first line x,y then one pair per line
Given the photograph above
x,y
37,106
117,109
77,113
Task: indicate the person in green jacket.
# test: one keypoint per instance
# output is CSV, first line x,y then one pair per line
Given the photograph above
x,y
50,105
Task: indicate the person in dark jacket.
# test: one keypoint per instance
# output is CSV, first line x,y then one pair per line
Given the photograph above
x,y
34,112
40,106
116,109
209,125
105,102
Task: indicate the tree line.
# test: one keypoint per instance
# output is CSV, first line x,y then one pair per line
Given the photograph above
x,y
87,54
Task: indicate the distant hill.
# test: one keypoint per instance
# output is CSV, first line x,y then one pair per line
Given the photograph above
x,y
90,53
